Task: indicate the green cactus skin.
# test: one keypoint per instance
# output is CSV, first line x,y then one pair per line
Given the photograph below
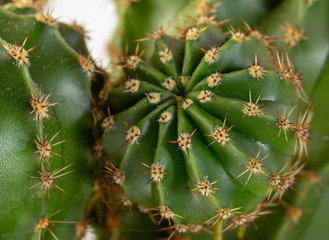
x,y
160,122
65,85
161,69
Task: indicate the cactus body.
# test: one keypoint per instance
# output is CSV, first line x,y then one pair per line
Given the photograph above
x,y
204,133
293,33
45,130
195,129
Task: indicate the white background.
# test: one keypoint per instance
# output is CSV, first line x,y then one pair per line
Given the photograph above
x,y
98,18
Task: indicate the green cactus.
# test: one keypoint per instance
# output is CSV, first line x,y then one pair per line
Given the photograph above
x,y
46,129
203,132
209,129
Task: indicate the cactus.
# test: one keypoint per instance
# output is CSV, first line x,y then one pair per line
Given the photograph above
x,y
46,128
212,126
203,132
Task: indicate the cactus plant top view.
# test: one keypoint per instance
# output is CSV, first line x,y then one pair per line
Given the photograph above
x,y
209,123
202,131
213,115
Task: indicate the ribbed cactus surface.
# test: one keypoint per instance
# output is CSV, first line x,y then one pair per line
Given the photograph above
x,y
204,131
208,130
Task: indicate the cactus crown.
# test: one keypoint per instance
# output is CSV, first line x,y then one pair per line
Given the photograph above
x,y
204,132
204,127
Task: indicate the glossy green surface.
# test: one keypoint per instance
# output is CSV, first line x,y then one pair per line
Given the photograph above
x,y
56,69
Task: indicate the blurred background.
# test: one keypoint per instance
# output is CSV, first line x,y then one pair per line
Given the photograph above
x,y
98,17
